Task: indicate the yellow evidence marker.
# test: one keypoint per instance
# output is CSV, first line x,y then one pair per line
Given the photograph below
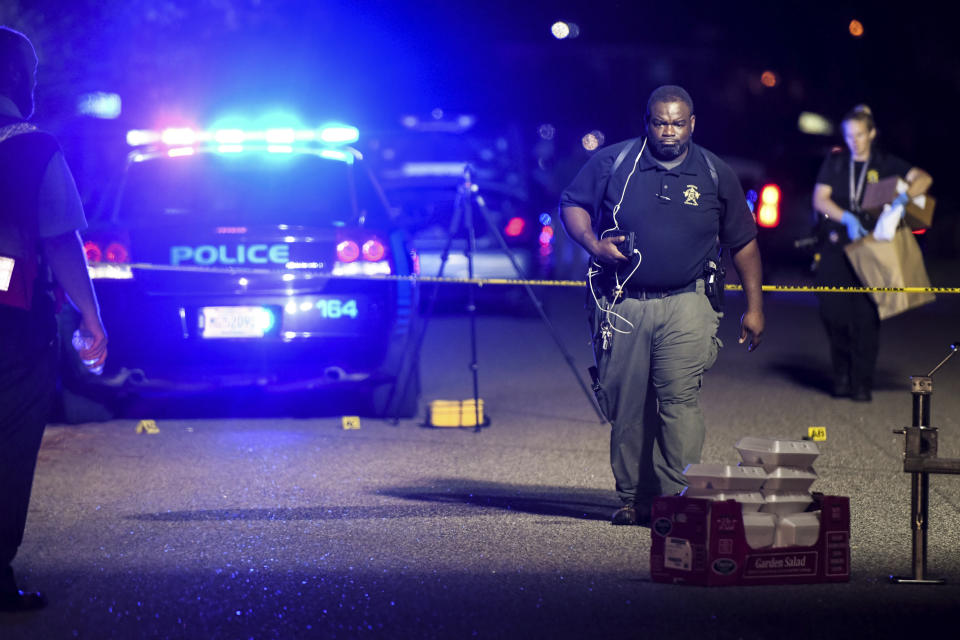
x,y
147,426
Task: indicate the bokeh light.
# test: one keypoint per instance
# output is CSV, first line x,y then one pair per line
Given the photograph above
x,y
768,79
547,131
515,227
814,124
562,30
99,104
593,140
856,28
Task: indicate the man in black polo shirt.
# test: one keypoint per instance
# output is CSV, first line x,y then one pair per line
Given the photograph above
x,y
669,204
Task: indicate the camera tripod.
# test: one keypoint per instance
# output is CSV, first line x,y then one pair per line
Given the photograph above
x,y
468,194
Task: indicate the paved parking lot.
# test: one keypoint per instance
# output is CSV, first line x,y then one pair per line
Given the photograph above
x,y
279,527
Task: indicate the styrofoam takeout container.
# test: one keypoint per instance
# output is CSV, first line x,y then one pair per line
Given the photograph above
x,y
760,529
750,500
798,529
771,452
724,477
785,503
789,479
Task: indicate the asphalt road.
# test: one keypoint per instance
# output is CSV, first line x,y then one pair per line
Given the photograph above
x,y
280,527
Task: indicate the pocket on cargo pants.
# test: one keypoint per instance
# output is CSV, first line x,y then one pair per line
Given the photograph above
x,y
712,322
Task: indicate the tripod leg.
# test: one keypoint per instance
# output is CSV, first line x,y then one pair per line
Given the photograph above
x,y
412,355
471,302
539,307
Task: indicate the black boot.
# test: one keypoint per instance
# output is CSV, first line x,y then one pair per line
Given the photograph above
x,y
13,600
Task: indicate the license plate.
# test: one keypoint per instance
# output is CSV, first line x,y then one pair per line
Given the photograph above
x,y
235,322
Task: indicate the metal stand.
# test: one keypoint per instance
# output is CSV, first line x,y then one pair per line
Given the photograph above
x,y
920,460
491,224
468,193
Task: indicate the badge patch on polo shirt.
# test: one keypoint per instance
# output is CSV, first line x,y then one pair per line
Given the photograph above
x,y
692,195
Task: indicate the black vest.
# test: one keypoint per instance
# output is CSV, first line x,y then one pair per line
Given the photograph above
x,y
23,162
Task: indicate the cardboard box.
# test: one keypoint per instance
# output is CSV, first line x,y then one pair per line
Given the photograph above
x,y
697,541
919,214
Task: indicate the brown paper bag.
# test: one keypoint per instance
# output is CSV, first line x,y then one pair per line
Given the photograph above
x,y
897,263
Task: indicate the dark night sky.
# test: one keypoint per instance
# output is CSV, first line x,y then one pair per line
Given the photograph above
x,y
372,61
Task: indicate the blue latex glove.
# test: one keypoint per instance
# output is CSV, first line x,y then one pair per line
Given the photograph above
x,y
901,201
855,229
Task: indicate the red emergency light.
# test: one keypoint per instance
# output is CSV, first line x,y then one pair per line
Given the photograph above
x,y
768,214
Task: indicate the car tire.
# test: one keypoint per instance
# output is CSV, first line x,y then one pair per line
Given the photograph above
x,y
397,398
77,408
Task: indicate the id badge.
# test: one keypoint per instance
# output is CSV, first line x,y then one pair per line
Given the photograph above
x,y
6,272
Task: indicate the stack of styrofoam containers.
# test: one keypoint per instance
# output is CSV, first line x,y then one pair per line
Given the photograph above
x,y
788,465
740,483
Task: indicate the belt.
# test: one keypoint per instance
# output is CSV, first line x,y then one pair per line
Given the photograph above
x,y
649,294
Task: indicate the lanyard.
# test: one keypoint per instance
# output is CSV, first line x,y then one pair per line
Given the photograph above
x,y
856,193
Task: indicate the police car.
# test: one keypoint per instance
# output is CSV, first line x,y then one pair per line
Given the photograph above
x,y
255,257
423,164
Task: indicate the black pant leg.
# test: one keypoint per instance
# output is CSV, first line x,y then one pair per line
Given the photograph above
x,y
838,311
27,385
838,332
865,344
851,322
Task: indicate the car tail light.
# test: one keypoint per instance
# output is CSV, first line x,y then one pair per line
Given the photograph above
x,y
93,252
546,235
116,252
347,251
367,257
108,259
113,251
515,227
373,250
768,214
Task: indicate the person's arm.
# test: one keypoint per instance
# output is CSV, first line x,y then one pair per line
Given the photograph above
x,y
746,259
823,202
576,220
64,254
919,181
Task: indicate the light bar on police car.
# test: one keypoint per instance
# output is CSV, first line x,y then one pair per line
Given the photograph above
x,y
334,133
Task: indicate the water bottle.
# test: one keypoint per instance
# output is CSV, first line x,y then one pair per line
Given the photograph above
x,y
82,339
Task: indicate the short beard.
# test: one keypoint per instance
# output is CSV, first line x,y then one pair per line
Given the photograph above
x,y
669,152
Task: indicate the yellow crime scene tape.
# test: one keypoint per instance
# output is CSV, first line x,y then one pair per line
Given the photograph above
x,y
308,274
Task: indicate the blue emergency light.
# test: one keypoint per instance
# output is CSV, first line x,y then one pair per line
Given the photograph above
x,y
232,139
